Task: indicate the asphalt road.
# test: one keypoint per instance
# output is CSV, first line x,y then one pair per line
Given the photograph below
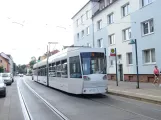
x,y
96,107
74,107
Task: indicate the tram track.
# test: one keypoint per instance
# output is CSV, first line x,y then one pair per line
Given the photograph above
x,y
116,107
52,108
131,108
25,110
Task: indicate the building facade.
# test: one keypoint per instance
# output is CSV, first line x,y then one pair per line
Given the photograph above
x,y
113,23
147,33
4,63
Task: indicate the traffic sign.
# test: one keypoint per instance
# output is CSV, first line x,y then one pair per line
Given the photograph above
x,y
112,52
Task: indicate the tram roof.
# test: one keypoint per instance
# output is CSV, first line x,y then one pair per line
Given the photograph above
x,y
65,52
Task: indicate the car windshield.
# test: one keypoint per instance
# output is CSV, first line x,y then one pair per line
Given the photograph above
x,y
93,63
5,75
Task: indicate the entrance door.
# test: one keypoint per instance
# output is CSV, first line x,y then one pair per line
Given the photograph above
x,y
120,72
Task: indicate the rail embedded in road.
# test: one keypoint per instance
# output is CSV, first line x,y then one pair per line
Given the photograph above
x,y
52,108
25,110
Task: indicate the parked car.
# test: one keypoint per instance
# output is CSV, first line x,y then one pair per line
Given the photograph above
x,y
2,88
6,77
21,75
12,77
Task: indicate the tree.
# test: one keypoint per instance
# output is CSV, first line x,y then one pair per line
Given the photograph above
x,y
32,63
1,69
21,68
30,72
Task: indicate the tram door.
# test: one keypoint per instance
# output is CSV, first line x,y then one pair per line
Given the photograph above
x,y
120,69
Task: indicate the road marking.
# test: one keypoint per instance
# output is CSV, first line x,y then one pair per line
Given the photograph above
x,y
56,111
25,110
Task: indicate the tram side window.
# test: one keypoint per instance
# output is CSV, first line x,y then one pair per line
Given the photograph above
x,y
75,69
64,73
58,69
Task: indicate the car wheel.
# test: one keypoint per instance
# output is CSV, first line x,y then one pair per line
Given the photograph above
x,y
4,95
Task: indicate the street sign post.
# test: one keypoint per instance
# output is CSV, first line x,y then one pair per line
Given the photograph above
x,y
113,53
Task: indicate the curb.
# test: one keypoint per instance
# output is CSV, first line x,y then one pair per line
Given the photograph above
x,y
134,97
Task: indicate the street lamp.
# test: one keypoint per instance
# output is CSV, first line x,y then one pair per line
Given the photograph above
x,y
133,41
47,64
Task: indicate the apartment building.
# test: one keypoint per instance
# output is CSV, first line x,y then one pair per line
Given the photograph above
x,y
4,62
147,33
83,27
113,24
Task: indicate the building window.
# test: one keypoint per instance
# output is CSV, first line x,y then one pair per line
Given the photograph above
x,y
102,4
87,15
88,31
110,18
0,61
99,24
99,43
77,23
88,45
111,62
127,34
112,39
77,36
108,2
82,33
82,20
148,27
149,56
119,57
146,2
129,58
125,10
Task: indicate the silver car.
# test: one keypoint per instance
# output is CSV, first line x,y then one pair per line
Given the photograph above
x,y
2,88
6,77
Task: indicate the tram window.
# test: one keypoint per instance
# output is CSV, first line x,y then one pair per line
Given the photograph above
x,y
75,69
64,73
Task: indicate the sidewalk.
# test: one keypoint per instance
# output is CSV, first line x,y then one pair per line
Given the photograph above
x,y
147,92
10,108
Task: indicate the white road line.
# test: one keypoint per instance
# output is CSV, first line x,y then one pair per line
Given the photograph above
x,y
25,111
56,111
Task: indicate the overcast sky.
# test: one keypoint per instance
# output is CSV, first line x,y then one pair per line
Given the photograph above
x,y
26,26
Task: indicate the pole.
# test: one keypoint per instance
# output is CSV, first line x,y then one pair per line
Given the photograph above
x,y
47,67
137,69
116,67
93,31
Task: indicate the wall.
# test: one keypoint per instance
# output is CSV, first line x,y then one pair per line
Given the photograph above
x,y
82,26
120,23
4,63
149,41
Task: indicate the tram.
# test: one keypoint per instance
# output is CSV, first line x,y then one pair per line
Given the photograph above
x,y
74,70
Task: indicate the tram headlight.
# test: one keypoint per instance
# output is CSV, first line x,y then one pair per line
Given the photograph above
x,y
86,78
105,77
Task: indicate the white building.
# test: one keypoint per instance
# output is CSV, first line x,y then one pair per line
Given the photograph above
x,y
110,27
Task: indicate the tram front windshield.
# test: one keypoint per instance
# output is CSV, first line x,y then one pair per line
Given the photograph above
x,y
93,63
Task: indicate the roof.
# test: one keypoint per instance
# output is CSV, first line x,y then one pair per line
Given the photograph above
x,y
81,8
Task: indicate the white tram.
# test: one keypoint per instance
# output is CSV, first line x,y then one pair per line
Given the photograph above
x,y
74,70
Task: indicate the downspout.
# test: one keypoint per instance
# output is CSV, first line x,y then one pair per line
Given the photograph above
x,y
93,32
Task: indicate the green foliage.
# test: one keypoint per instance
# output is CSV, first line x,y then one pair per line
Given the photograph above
x,y
1,69
21,68
32,63
30,72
